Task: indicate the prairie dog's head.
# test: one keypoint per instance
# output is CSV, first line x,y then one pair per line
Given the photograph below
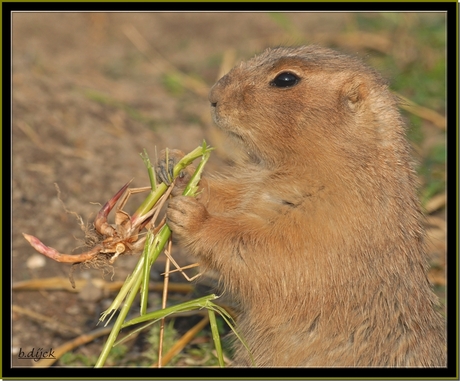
x,y
293,100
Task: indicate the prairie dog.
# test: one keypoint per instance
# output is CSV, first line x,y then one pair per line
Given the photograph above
x,y
317,232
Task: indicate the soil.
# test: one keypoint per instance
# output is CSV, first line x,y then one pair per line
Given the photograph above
x,y
93,90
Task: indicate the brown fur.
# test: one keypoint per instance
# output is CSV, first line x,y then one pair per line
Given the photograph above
x,y
318,231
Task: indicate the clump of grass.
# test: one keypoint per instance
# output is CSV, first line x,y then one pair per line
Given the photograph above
x,y
154,245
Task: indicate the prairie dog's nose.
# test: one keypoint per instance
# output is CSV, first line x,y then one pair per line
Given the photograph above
x,y
216,90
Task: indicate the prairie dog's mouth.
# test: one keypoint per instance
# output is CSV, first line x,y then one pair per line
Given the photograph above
x,y
230,132
247,149
241,140
223,124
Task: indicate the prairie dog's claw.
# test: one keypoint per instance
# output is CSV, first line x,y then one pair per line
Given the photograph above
x,y
165,170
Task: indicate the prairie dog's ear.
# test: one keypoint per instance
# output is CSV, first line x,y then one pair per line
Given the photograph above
x,y
354,92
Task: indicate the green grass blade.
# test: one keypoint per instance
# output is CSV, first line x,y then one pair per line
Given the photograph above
x,y
216,337
183,307
118,323
231,323
151,172
146,272
127,286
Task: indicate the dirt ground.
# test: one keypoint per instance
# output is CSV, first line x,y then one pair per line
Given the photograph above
x,y
90,92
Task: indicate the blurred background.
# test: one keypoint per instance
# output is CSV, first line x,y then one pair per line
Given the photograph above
x,y
92,90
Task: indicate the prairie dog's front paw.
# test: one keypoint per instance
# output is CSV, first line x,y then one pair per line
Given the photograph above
x,y
165,166
185,215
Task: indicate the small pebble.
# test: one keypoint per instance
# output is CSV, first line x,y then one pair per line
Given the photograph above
x,y
36,261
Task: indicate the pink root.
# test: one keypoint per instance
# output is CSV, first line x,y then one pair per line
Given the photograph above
x,y
57,256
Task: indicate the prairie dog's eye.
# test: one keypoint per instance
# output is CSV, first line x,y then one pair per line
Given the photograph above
x,y
285,79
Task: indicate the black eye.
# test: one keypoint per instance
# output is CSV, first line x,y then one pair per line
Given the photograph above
x,y
285,79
